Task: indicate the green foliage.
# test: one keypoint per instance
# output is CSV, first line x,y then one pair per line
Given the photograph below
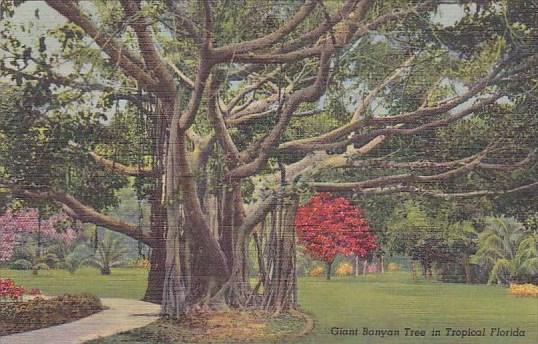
x,y
110,253
507,251
27,258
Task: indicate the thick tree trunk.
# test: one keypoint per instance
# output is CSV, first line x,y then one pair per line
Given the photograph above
x,y
206,270
281,283
329,271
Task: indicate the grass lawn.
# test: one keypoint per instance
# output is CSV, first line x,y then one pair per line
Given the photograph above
x,y
389,301
122,283
395,301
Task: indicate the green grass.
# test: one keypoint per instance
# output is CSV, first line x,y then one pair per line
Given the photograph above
x,y
395,301
122,283
389,301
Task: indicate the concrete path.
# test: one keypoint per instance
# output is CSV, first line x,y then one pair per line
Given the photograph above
x,y
122,315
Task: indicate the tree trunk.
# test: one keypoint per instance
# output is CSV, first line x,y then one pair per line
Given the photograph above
x,y
329,268
356,266
467,270
207,267
154,290
173,298
281,283
414,270
105,270
365,267
382,264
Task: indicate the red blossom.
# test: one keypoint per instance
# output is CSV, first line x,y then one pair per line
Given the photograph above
x,y
8,290
328,226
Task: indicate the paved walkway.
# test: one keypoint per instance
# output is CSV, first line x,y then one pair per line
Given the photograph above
x,y
122,315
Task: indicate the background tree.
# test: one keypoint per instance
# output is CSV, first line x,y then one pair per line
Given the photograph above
x,y
328,226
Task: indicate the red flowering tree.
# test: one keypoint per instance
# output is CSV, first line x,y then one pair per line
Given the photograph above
x,y
328,226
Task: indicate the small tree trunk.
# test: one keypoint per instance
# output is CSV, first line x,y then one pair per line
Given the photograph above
x,y
105,270
365,267
467,270
356,266
38,249
95,239
382,264
329,268
414,270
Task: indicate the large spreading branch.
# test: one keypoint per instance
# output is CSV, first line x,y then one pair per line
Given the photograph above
x,y
399,178
527,188
399,182
114,166
80,211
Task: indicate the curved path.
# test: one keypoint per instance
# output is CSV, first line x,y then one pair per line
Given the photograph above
x,y
121,315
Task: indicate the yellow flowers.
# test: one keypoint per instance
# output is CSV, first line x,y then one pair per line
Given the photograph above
x,y
393,267
142,264
344,269
526,290
316,271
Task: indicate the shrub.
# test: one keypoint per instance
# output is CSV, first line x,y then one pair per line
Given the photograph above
x,y
344,269
142,264
37,313
21,264
316,271
393,267
525,290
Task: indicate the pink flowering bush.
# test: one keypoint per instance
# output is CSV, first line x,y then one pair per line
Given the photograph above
x,y
15,224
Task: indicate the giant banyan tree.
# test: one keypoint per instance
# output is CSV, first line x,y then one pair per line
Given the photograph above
x,y
233,111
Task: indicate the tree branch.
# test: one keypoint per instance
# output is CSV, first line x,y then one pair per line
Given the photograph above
x,y
471,194
227,52
400,178
82,212
308,94
117,53
113,166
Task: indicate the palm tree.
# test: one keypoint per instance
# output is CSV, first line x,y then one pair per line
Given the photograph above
x,y
109,253
71,254
506,250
